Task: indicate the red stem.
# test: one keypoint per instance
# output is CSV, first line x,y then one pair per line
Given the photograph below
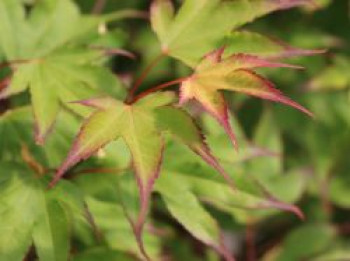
x,y
157,88
98,7
250,242
4,83
143,76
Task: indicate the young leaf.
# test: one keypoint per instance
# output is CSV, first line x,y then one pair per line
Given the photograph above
x,y
136,125
234,73
182,36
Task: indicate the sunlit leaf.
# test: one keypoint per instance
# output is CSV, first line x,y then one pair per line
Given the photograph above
x,y
136,125
181,34
234,73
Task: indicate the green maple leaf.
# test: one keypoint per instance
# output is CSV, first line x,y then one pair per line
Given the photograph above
x,y
136,125
234,73
31,214
141,125
181,34
50,58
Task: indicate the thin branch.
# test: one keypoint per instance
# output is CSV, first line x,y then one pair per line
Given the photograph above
x,y
97,171
250,242
113,51
90,219
4,83
144,75
98,6
157,88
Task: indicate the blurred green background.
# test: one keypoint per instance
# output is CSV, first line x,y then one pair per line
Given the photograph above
x,y
304,161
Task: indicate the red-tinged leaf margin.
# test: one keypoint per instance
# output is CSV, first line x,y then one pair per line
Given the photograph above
x,y
39,135
204,151
100,103
145,190
286,4
248,61
145,194
273,94
241,63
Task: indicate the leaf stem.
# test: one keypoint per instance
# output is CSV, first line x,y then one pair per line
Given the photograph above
x,y
143,76
98,6
157,88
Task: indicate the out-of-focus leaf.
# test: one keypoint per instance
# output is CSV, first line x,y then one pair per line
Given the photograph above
x,y
54,73
257,44
51,84
212,189
29,211
335,77
179,200
51,232
110,218
102,254
182,35
315,239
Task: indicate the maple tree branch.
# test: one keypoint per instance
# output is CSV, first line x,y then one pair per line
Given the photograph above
x,y
98,6
250,242
4,83
143,75
157,88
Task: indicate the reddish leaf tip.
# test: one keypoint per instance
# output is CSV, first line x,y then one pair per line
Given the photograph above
x,y
286,207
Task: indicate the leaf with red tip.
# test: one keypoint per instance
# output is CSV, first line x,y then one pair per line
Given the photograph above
x,y
262,46
136,125
234,73
181,125
182,35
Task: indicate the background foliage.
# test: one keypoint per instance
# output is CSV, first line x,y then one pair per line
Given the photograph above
x,y
54,52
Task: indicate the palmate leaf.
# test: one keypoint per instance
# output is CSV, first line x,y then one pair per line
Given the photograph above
x,y
234,73
56,81
136,125
181,34
54,72
31,214
141,126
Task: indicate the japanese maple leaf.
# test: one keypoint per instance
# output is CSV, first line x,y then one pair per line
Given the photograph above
x,y
199,25
234,73
141,126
